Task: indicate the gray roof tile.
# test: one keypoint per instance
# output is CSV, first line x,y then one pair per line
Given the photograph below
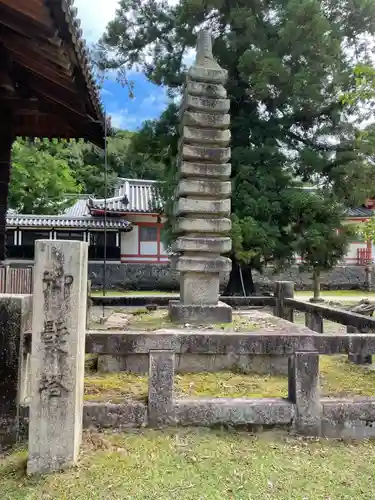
x,y
132,195
359,212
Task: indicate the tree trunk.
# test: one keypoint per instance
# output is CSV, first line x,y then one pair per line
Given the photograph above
x,y
316,285
236,285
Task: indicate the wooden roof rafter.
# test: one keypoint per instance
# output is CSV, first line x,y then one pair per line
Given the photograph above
x,y
46,59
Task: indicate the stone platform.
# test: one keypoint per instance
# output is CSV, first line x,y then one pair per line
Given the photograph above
x,y
249,321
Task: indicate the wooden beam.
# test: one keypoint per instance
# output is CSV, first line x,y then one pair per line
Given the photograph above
x,y
23,24
34,62
44,48
48,89
33,10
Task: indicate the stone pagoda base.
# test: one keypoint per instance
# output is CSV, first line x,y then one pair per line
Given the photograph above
x,y
187,313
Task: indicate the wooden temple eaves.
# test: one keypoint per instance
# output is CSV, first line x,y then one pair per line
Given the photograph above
x,y
45,76
46,86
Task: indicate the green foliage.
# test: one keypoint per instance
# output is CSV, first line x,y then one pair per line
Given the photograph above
x,y
289,64
367,229
40,181
363,88
45,171
322,239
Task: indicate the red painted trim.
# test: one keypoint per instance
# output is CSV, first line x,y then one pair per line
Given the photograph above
x,y
147,261
358,219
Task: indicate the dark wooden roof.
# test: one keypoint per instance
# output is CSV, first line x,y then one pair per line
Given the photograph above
x,y
45,72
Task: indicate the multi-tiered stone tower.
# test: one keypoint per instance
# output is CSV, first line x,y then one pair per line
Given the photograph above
x,y
204,189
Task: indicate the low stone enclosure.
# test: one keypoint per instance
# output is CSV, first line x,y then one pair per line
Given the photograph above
x,y
50,400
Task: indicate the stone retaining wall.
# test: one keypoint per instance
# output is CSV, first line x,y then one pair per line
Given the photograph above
x,y
160,277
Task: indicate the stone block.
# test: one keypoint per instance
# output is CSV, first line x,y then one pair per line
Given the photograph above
x,y
205,120
208,75
196,244
203,264
160,389
201,206
181,313
210,154
304,392
206,226
58,354
15,320
191,135
200,187
205,104
205,89
210,170
199,288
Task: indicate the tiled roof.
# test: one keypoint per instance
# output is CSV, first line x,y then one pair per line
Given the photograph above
x,y
132,195
359,212
71,27
59,221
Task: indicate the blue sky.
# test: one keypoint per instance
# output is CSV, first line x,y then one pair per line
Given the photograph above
x,y
149,100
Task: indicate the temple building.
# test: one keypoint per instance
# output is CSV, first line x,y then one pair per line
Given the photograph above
x,y
134,222
132,217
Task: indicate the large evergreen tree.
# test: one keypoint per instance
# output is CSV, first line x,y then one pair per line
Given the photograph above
x,y
290,62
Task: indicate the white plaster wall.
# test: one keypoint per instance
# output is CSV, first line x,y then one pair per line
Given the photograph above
x,y
149,248
129,242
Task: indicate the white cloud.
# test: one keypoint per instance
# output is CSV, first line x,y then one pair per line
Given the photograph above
x,y
120,118
94,16
154,103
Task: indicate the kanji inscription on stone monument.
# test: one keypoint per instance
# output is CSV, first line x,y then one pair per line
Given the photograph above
x,y
53,338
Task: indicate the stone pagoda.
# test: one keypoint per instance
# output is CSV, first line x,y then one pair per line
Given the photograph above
x,y
203,197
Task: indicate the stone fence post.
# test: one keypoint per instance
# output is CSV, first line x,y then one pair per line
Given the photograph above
x,y
314,321
57,355
160,388
283,290
15,320
304,392
358,359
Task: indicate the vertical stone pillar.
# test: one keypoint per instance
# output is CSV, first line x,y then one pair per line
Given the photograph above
x,y
358,359
304,392
58,354
15,320
314,321
160,388
283,290
203,198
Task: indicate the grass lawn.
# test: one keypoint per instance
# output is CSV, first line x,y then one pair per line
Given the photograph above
x,y
201,464
193,464
338,378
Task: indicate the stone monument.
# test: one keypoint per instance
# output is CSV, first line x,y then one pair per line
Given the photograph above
x,y
58,355
203,198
